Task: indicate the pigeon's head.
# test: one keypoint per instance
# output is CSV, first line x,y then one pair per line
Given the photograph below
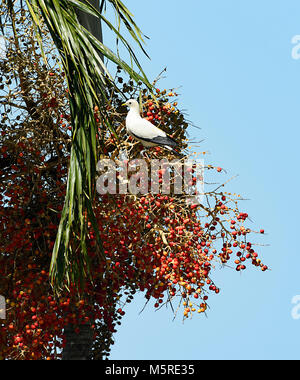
x,y
132,104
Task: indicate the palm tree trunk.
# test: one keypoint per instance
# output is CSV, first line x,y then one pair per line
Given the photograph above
x,y
92,24
79,344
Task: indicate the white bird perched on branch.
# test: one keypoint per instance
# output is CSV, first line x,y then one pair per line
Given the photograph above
x,y
144,131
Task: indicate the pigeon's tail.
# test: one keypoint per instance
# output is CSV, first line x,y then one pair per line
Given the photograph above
x,y
164,141
169,143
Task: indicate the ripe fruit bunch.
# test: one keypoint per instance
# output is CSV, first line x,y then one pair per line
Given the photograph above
x,y
171,247
154,243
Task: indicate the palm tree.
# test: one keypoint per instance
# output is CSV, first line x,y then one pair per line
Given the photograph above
x,y
82,54
75,27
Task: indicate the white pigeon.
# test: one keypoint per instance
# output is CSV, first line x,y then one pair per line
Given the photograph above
x,y
144,131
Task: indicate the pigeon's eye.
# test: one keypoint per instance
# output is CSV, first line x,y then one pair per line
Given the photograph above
x,y
129,102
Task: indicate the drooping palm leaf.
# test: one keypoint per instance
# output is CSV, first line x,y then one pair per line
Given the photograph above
x,y
81,55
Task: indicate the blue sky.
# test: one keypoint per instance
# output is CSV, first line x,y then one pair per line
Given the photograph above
x,y
238,81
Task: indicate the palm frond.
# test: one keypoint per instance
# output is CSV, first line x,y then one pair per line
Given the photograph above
x,y
81,55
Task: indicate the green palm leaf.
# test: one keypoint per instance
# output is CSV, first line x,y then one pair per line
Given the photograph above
x,y
81,55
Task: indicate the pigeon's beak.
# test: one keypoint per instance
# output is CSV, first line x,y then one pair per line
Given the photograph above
x,y
124,104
